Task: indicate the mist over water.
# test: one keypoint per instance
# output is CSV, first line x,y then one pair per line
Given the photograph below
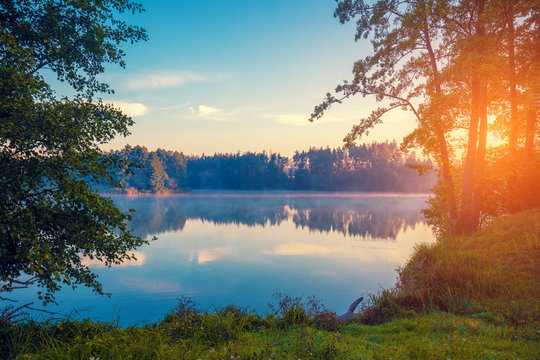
x,y
374,216
241,248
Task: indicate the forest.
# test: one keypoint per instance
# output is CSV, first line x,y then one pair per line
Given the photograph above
x,y
369,167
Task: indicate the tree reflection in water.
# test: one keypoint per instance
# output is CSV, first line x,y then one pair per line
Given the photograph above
x,y
364,216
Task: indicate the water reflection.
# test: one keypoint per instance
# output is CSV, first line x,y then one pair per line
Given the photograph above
x,y
137,258
240,249
376,217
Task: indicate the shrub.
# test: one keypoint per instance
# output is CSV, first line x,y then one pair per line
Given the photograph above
x,y
288,311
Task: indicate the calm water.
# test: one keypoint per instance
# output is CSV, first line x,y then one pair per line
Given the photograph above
x,y
241,248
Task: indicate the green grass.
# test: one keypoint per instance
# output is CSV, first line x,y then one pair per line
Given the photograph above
x,y
473,297
496,271
433,336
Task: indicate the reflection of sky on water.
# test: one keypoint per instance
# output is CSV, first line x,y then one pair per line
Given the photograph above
x,y
243,249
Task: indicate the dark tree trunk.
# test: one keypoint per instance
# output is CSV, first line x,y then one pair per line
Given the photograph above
x,y
514,121
470,160
479,164
530,132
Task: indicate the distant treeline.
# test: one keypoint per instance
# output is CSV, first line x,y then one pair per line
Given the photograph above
x,y
369,167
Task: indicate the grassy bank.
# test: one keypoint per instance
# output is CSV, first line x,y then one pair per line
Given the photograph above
x,y
495,272
432,336
473,297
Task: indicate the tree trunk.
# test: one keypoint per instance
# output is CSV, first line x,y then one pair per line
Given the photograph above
x,y
530,132
441,139
476,149
514,121
448,181
468,175
480,163
513,160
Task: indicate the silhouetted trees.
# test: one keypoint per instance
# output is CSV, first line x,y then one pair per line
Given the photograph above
x,y
248,171
155,171
369,167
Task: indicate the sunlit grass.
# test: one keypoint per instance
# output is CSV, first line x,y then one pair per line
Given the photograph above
x,y
496,271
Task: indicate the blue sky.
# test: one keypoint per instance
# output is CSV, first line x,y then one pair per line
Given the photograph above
x,y
231,75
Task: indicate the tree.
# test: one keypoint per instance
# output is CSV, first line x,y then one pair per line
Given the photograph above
x,y
50,217
442,60
403,34
158,177
175,167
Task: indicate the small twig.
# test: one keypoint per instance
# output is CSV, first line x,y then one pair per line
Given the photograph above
x,y
7,299
43,310
24,284
10,314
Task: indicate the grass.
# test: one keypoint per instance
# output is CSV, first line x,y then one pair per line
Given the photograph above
x,y
496,272
472,297
436,336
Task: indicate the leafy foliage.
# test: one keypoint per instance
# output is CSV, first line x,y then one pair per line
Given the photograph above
x,y
455,66
155,171
51,217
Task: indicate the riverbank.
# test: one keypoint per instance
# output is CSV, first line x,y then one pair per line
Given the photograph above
x,y
432,336
461,298
495,272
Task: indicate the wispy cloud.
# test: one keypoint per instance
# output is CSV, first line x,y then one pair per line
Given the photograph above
x,y
211,113
206,111
299,119
167,80
132,109
174,107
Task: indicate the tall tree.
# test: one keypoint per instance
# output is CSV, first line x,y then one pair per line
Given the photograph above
x,y
159,176
51,218
442,60
524,42
404,67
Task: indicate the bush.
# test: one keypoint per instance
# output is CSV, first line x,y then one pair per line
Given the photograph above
x,y
188,321
288,311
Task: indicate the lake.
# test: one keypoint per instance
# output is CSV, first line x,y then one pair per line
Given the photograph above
x,y
241,248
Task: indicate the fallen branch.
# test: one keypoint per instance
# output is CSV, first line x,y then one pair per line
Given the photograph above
x,y
350,313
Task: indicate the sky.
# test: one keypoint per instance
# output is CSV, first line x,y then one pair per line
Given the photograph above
x,y
231,75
